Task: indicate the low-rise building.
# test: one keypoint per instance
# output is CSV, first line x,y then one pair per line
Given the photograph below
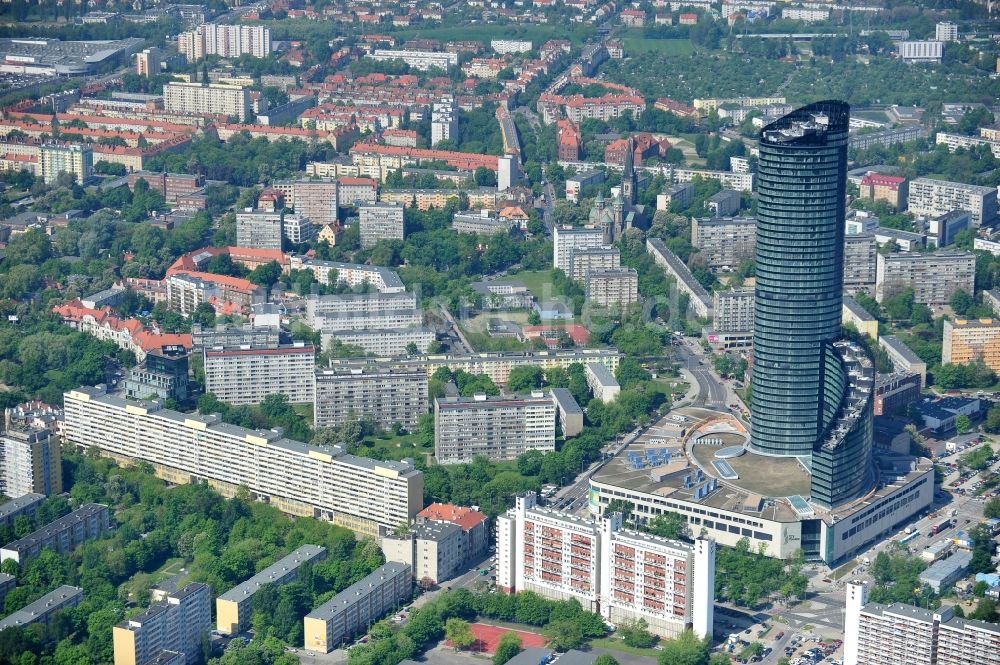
x,y
569,412
234,608
894,392
357,607
504,294
26,504
903,358
162,374
859,317
724,203
43,609
432,550
602,383
888,188
680,193
87,522
497,427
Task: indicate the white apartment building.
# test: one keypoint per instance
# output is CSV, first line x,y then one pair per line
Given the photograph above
x,y
246,375
259,229
88,522
934,277
383,342
954,141
367,496
602,383
585,260
147,62
228,41
317,199
859,263
733,310
612,287
504,46
380,278
901,634
362,311
179,624
565,241
624,575
946,31
422,60
699,301
298,229
212,99
77,160
444,121
380,220
920,51
497,427
806,14
42,609
383,394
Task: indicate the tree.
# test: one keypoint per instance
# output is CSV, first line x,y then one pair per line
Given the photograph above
x,y
266,274
525,378
668,525
636,634
508,647
962,423
563,634
685,649
459,633
605,659
992,508
962,302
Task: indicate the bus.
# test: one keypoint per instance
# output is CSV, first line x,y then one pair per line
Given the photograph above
x,y
910,536
940,526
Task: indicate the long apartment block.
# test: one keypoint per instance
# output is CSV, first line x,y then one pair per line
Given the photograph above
x,y
367,496
87,522
248,374
381,279
934,277
179,624
385,395
624,575
496,427
234,608
497,366
355,608
877,634
363,311
42,609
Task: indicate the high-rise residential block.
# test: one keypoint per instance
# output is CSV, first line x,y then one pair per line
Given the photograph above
x,y
928,196
234,608
876,634
432,550
87,522
332,314
380,220
859,263
382,394
147,62
612,287
76,160
228,41
584,261
317,198
248,375
30,463
946,31
724,241
180,624
812,393
259,229
625,575
357,607
971,340
934,277
566,241
364,495
444,121
383,342
733,310
298,229
212,99
497,427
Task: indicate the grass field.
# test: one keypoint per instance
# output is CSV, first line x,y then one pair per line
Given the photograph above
x,y
394,447
539,282
638,44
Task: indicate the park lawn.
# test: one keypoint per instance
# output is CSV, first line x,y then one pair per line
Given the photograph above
x,y
539,282
393,447
304,410
616,644
635,43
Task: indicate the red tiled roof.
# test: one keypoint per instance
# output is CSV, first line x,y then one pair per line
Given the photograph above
x,y
467,518
882,180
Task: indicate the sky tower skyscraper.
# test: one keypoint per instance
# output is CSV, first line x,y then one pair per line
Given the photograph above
x,y
812,394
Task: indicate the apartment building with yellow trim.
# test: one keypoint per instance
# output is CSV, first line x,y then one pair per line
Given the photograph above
x,y
969,340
